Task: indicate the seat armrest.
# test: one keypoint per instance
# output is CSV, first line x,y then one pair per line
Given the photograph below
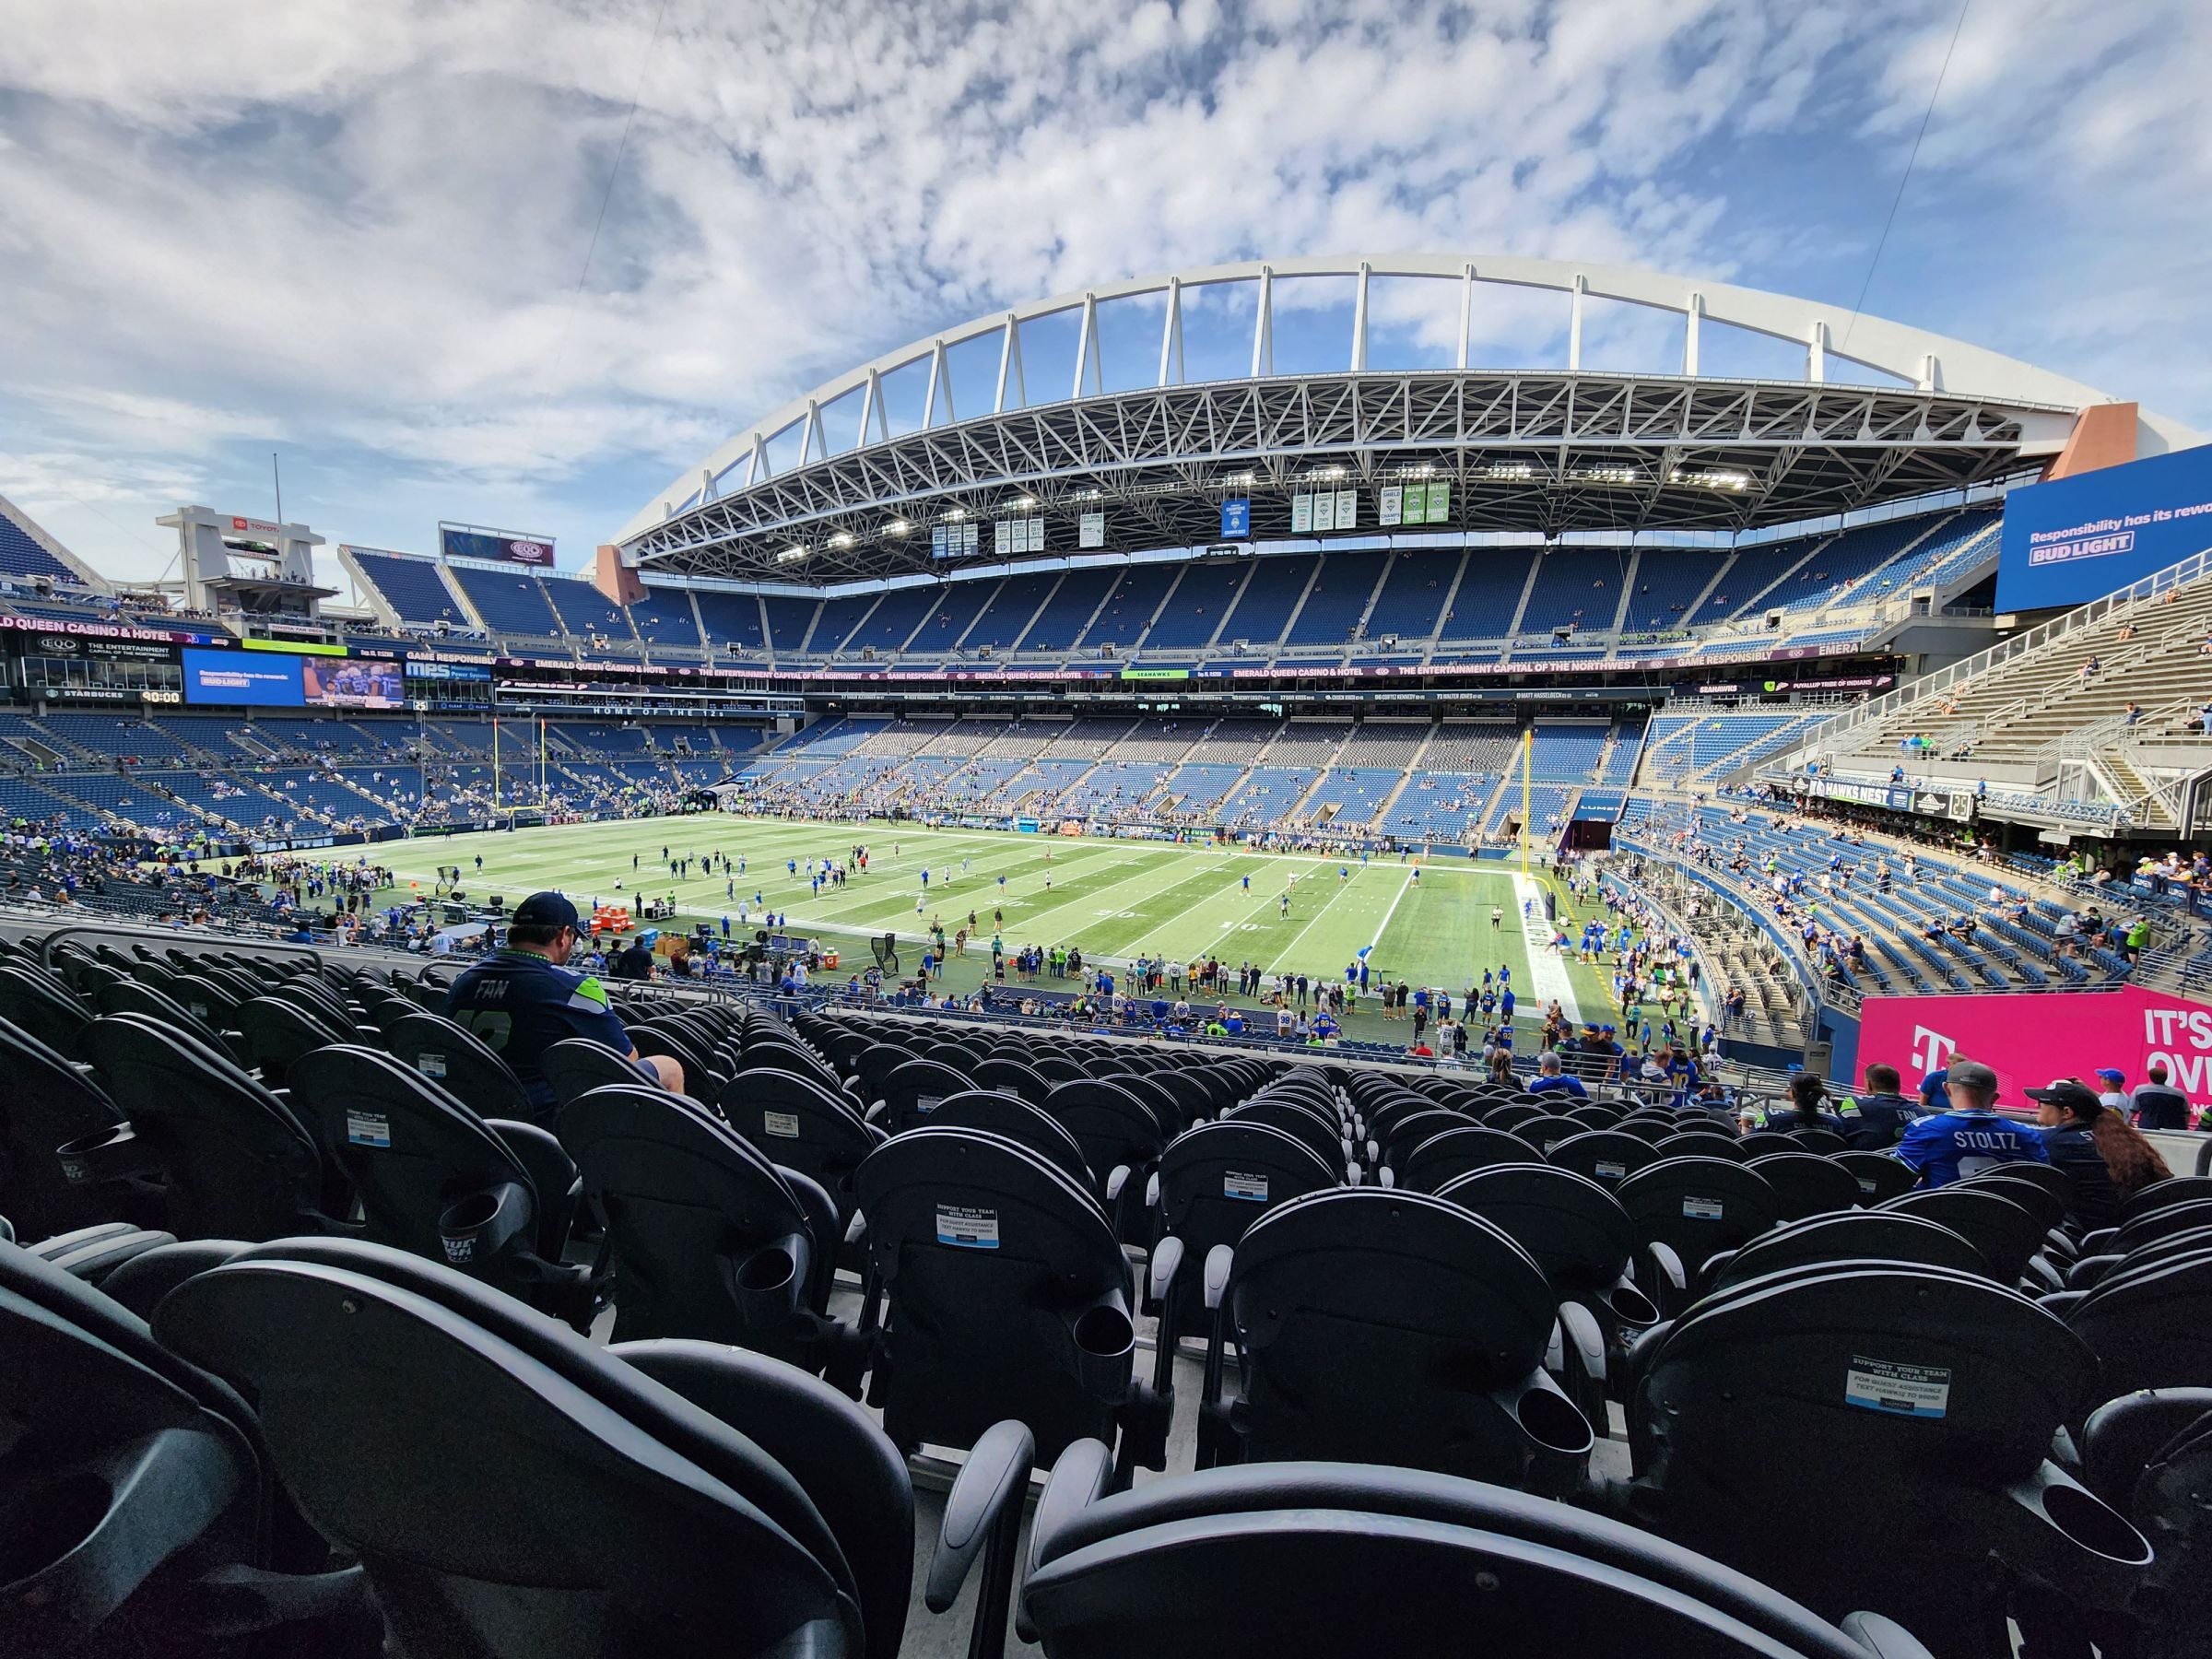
x,y
1220,1261
1882,1638
1077,1480
995,1475
1166,1261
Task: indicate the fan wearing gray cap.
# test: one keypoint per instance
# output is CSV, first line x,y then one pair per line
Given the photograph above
x,y
523,998
1971,1136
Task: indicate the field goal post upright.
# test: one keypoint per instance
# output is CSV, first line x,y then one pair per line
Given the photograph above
x,y
1528,748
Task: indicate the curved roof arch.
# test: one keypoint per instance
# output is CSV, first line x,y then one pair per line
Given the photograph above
x,y
1963,412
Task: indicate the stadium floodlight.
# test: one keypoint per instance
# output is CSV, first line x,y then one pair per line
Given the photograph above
x,y
791,555
1025,502
1710,478
1510,472
897,527
844,538
957,515
1612,474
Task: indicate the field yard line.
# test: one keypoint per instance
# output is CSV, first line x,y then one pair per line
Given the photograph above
x,y
1144,867
1382,926
1546,969
1343,888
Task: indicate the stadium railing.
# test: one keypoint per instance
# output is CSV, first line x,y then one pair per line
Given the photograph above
x,y
1829,740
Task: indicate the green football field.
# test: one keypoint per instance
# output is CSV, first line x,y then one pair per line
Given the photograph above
x,y
1114,900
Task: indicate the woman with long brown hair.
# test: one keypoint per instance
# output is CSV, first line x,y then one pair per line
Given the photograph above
x,y
2107,1158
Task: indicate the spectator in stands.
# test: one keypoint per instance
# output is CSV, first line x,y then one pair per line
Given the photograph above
x,y
1806,1094
633,961
1969,1138
2114,1092
2109,1161
1551,1079
1874,1121
524,998
2158,1105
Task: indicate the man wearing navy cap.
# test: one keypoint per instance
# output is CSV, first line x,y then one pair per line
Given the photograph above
x,y
523,999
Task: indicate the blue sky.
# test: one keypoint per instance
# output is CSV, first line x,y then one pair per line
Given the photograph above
x,y
356,235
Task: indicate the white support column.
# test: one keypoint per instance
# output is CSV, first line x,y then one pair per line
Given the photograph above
x,y
1693,314
1263,329
810,435
871,410
1171,336
1359,321
1088,365
1931,373
706,485
1009,367
940,384
1816,352
1466,313
756,470
1574,326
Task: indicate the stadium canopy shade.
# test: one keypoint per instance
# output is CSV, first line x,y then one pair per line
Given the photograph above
x,y
1532,452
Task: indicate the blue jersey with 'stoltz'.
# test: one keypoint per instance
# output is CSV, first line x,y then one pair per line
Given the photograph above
x,y
519,1005
1953,1143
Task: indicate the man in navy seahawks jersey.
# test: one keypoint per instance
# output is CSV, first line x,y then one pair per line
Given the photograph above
x,y
1969,1137
523,999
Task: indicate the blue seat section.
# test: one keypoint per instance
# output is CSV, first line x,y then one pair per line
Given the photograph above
x,y
839,618
730,619
1668,581
21,554
1841,562
1269,597
1488,594
1068,610
1198,604
510,602
887,625
1130,606
1547,809
585,610
1005,618
1566,754
1753,571
1628,749
1575,586
1202,787
413,587
1682,741
663,617
1411,604
958,606
1338,597
1939,544
114,735
788,621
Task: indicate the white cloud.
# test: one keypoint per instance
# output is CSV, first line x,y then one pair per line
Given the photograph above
x,y
358,230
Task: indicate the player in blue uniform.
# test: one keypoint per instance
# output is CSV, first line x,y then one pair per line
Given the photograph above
x,y
1969,1137
523,999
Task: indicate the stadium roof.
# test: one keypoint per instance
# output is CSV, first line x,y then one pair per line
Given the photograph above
x,y
1542,453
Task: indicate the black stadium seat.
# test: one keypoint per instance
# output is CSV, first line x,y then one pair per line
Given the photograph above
x,y
707,1237
491,1196
48,1103
1876,1401
1213,1180
138,1506
669,1498
1009,1297
1339,1559
1389,1327
233,1160
460,1063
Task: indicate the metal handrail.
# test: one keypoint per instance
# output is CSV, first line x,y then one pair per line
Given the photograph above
x,y
1891,702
